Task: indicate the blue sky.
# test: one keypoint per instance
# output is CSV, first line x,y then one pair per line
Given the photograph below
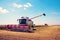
x,y
11,10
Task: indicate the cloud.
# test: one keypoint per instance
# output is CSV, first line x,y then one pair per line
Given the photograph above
x,y
29,4
25,6
17,5
2,10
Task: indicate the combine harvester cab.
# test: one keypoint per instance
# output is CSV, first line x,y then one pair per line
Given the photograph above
x,y
24,24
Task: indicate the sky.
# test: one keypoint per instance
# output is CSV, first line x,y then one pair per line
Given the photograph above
x,y
11,10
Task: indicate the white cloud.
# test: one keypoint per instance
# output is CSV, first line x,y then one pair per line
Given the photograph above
x,y
2,10
29,4
25,6
17,5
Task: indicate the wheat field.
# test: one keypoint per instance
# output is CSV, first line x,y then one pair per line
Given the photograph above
x,y
41,33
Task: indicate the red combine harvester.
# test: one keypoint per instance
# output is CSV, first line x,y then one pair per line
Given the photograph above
x,y
25,24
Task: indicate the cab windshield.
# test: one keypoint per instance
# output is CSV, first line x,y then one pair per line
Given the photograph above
x,y
22,21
